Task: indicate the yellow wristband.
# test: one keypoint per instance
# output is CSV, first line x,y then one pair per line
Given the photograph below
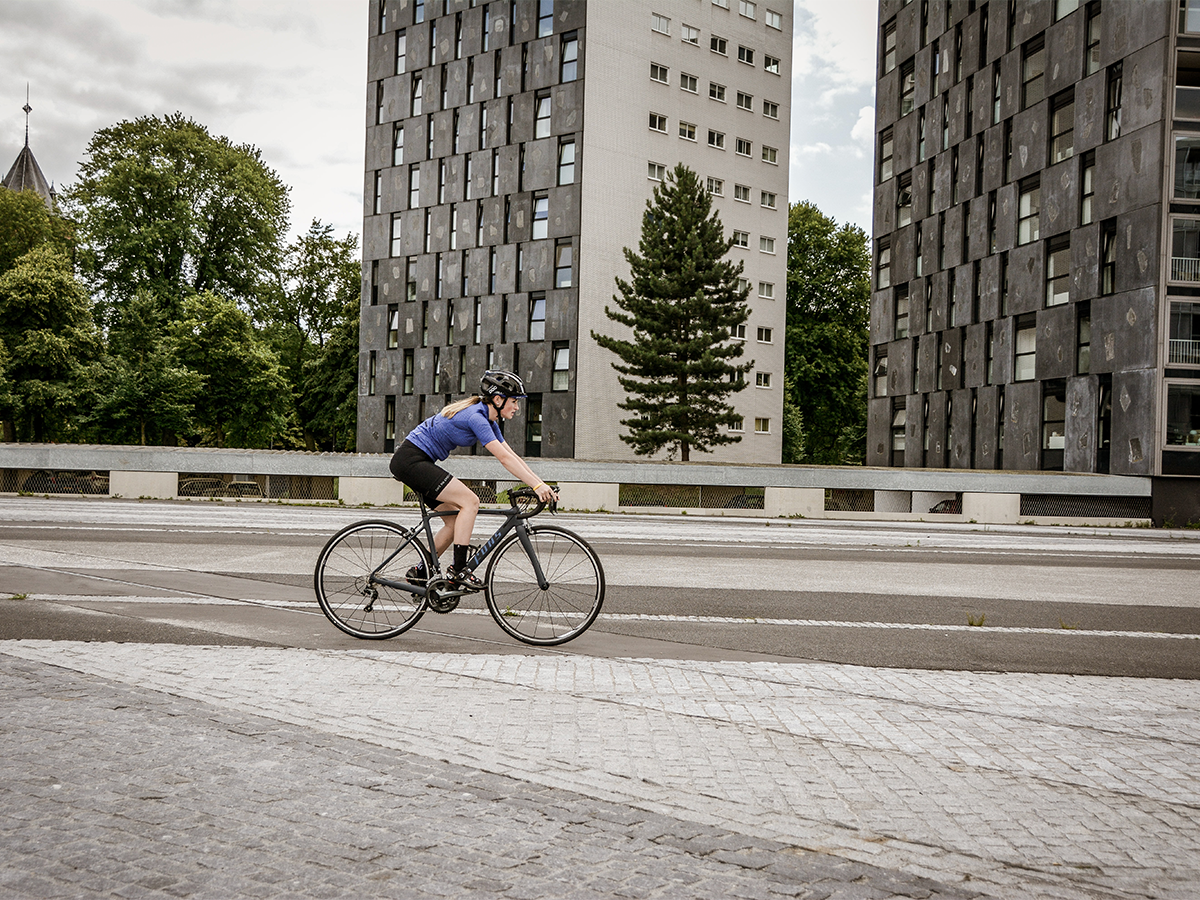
x,y
541,485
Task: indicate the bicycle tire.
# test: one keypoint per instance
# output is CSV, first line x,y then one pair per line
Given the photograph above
x,y
562,612
343,590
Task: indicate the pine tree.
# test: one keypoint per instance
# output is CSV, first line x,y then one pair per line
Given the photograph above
x,y
681,302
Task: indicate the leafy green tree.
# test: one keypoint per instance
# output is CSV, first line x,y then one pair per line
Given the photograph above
x,y
25,223
47,329
825,354
681,303
245,400
320,276
140,390
329,387
164,206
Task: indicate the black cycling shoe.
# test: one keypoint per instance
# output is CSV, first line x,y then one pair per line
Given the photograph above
x,y
416,575
466,580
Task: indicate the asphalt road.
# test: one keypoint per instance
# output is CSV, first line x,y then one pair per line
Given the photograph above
x,y
908,595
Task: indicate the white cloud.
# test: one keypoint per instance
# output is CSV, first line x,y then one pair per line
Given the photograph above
x,y
863,132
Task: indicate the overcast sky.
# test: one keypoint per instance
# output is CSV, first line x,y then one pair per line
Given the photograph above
x,y
288,76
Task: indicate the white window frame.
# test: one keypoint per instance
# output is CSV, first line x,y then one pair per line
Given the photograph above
x,y
656,120
738,332
718,45
715,186
746,55
762,425
767,196
689,35
747,8
771,64
770,155
741,239
741,193
659,69
656,171
686,79
716,139
745,101
766,244
764,335
766,290
770,109
739,425
660,23
773,19
743,147
724,4
762,379
687,131
716,92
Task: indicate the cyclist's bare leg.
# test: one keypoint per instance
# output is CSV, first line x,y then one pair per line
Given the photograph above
x,y
445,535
457,495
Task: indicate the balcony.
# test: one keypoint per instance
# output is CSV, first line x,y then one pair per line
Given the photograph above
x,y
1184,268
1186,353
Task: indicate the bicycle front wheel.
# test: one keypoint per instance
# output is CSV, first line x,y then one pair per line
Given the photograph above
x,y
349,596
566,607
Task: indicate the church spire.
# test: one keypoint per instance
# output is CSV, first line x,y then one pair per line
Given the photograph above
x,y
28,109
26,174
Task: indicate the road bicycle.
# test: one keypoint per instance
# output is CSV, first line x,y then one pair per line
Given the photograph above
x,y
544,585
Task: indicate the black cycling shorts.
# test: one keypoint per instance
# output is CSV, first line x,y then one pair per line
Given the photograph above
x,y
413,466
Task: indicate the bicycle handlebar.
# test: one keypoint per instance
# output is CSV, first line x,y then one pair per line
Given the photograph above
x,y
528,493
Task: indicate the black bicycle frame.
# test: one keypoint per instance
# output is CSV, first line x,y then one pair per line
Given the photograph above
x,y
514,519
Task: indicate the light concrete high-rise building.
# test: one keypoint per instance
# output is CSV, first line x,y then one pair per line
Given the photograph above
x,y
1036,295
511,149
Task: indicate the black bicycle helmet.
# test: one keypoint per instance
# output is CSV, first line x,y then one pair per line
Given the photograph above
x,y
501,384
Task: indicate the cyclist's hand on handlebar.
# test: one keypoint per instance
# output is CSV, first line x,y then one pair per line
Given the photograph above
x,y
546,494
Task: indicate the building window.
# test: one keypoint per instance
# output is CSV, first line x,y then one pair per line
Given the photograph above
x,y
1064,7
397,234
414,186
920,258
716,139
687,131
416,94
689,35
745,101
745,55
716,91
1088,193
1033,70
1187,167
715,186
566,161
741,239
1108,257
541,122
770,155
409,369
773,20
771,64
902,312
1028,208
770,110
921,135
1054,418
738,332
1083,338
1112,105
888,45
886,150
908,88
738,424
762,379
401,52
560,356
661,24
393,326
766,244
767,200
1185,250
537,317
718,45
1091,57
741,193
764,336
1025,348
570,57
658,123
766,290
762,426
563,253
746,8
377,204
904,200
1062,128
1058,270
1183,415
883,266
541,216
742,147
659,73
688,83
656,171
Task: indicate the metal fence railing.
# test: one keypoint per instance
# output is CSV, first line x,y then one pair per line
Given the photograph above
x,y
1072,506
691,496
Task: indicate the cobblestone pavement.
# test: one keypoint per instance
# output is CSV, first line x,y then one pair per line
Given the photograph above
x,y
164,770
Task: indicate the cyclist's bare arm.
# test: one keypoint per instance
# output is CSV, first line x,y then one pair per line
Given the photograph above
x,y
517,467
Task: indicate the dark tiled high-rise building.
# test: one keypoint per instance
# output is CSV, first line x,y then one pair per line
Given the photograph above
x,y
511,149
1036,297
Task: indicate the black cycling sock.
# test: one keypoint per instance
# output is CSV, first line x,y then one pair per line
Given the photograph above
x,y
460,556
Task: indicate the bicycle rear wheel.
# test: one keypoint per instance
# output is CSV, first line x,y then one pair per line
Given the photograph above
x,y
350,599
570,602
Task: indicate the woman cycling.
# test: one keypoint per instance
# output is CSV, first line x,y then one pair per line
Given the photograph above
x,y
461,424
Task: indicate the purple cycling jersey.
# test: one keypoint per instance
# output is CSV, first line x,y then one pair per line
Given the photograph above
x,y
437,436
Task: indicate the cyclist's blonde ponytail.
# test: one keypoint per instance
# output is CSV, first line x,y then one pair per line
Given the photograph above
x,y
451,409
